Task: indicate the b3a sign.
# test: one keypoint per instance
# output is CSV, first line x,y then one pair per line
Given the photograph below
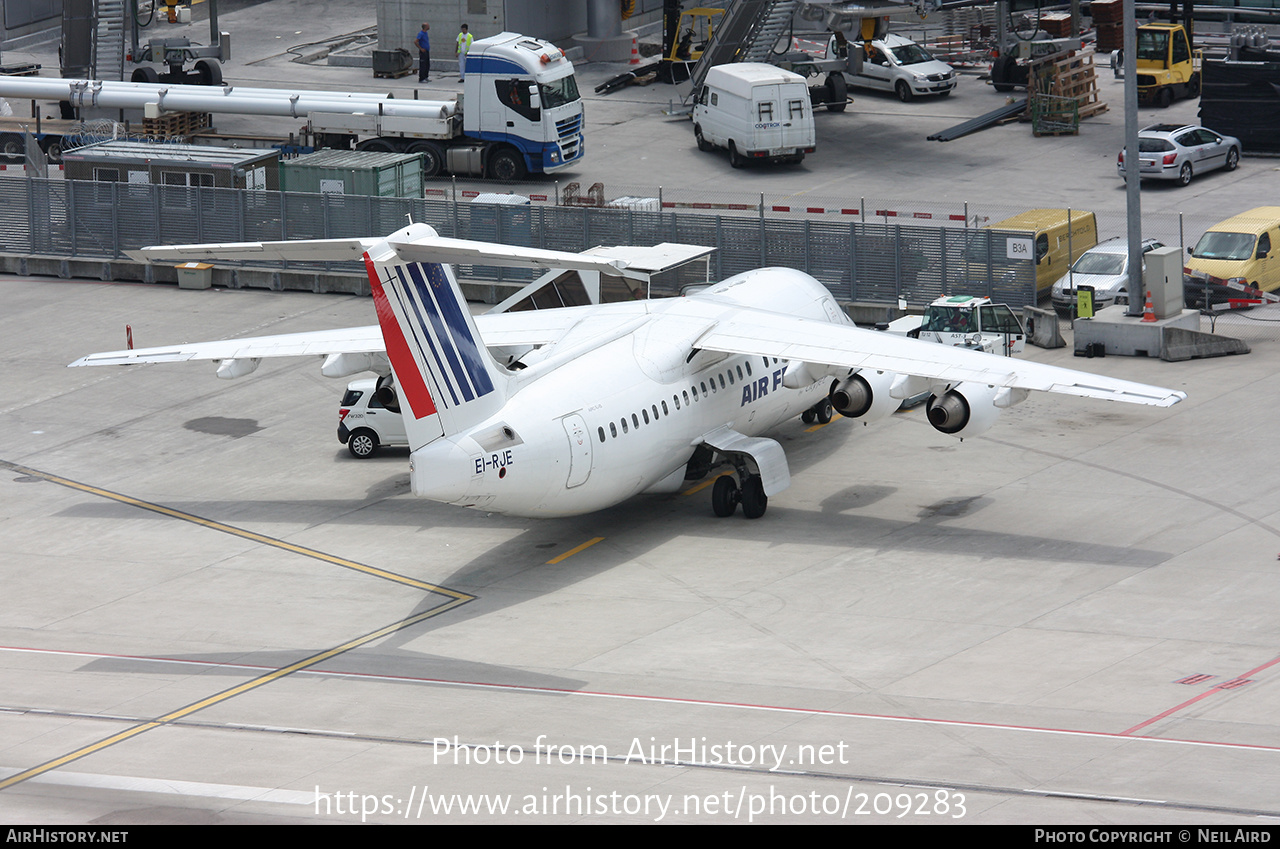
x,y
1019,248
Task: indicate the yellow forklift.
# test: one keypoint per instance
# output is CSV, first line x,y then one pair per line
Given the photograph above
x,y
1167,66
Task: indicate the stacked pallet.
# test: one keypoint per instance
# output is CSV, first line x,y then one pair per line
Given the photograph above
x,y
1108,20
1071,77
176,125
1057,24
1063,89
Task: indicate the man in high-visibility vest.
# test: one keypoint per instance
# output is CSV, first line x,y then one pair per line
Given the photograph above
x,y
464,44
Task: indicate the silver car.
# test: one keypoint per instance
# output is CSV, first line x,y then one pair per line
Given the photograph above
x,y
1174,152
903,67
1105,267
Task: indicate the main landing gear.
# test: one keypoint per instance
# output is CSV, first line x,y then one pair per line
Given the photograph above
x,y
819,412
726,496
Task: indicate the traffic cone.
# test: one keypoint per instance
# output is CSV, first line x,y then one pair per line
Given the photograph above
x,y
1148,309
635,52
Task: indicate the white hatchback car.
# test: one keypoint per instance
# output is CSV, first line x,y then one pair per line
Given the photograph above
x,y
1105,267
365,423
903,67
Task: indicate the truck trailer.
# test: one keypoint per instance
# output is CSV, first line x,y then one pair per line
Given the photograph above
x,y
523,112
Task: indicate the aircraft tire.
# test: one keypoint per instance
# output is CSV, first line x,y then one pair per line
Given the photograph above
x,y
724,496
822,412
754,501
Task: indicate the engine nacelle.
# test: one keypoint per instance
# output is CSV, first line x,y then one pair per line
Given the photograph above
x,y
967,410
386,393
865,395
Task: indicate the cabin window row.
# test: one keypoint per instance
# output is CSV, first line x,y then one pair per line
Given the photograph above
x,y
708,387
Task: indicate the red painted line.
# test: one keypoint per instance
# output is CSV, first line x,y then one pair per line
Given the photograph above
x,y
781,208
956,218
1193,700
851,212
887,213
518,688
537,197
814,209
922,215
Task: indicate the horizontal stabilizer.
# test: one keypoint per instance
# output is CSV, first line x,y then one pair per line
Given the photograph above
x,y
347,340
414,248
315,250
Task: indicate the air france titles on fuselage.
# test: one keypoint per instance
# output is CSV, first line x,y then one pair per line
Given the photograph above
x,y
761,387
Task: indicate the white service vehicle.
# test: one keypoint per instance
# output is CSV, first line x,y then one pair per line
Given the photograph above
x,y
369,419
899,65
756,112
966,321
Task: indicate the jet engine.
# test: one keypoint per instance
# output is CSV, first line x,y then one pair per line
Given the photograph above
x,y
864,395
970,408
386,393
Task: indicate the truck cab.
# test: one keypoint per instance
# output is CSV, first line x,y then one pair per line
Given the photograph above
x,y
520,95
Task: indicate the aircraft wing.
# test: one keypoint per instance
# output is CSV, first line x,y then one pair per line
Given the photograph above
x,y
803,340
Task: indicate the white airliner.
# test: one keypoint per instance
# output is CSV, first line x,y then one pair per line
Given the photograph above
x,y
557,412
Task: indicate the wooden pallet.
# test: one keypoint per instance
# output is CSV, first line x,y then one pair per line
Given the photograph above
x,y
1073,78
173,125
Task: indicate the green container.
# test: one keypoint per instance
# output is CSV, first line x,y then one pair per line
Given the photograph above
x,y
354,172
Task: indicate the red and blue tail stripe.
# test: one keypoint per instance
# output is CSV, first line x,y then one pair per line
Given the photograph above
x,y
427,331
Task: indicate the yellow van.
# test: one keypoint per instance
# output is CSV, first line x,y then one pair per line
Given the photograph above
x,y
1243,249
1055,250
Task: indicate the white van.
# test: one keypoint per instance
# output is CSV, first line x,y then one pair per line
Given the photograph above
x,y
756,112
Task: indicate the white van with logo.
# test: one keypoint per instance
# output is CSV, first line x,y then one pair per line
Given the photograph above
x,y
757,112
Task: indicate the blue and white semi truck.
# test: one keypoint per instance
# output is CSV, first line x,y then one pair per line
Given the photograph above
x,y
523,114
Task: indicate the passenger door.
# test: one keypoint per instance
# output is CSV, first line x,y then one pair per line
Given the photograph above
x,y
768,113
876,70
575,428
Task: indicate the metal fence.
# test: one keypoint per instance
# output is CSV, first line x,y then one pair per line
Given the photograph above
x,y
863,262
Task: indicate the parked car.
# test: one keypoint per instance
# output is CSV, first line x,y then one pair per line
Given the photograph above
x,y
1244,249
1105,267
1176,152
365,423
903,67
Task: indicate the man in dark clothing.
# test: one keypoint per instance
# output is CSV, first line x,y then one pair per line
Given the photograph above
x,y
424,54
